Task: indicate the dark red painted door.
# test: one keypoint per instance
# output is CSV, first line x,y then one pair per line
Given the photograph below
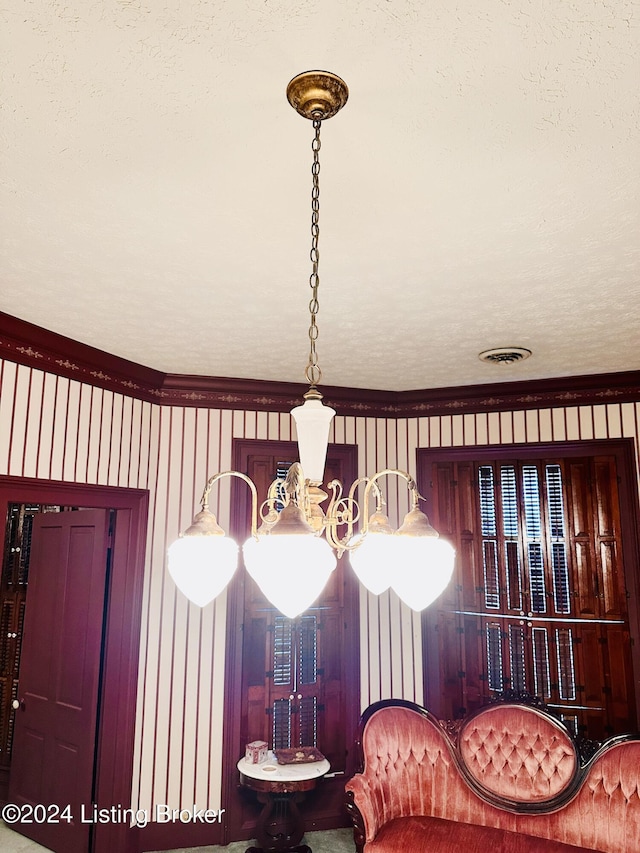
x,y
55,726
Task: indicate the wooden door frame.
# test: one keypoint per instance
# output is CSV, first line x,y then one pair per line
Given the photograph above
x,y
624,451
235,618
117,711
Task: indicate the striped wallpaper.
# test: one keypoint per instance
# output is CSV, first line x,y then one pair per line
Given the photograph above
x,y
57,428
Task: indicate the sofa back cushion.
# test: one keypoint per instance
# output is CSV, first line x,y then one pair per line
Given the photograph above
x,y
517,753
408,760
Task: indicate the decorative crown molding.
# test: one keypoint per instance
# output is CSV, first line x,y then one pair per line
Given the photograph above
x,y
33,346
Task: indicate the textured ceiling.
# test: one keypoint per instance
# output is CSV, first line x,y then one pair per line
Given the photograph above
x,y
480,188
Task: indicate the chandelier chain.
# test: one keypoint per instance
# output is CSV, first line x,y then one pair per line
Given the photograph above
x,y
312,372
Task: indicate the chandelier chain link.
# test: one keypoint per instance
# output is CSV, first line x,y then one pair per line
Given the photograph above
x,y
312,372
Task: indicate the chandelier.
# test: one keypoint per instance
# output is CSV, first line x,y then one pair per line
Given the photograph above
x,y
293,550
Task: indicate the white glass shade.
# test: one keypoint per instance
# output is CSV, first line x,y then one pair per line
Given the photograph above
x,y
312,425
202,566
290,569
422,569
374,560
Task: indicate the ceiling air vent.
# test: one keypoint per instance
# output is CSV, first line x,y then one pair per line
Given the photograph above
x,y
504,355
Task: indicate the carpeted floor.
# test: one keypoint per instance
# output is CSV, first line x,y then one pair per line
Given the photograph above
x,y
331,841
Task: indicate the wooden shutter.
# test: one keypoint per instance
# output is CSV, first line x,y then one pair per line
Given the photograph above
x,y
538,601
292,682
13,590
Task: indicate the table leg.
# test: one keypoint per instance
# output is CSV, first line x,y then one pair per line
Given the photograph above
x,y
280,825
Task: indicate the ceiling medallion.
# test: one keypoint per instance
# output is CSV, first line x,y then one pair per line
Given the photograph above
x,y
317,95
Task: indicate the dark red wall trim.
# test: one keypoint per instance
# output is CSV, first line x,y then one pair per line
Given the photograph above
x,y
34,346
24,343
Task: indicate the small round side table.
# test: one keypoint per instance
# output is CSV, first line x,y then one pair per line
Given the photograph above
x,y
280,787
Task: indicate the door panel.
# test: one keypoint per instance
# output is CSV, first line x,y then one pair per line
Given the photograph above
x,y
55,727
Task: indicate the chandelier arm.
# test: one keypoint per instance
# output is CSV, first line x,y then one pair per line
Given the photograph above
x,y
274,492
380,501
339,545
372,484
275,495
333,513
343,510
336,497
204,500
359,482
347,511
331,519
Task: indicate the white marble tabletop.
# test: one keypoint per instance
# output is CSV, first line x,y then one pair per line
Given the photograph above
x,y
271,771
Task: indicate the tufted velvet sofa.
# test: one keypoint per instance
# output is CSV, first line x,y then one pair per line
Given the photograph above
x,y
507,779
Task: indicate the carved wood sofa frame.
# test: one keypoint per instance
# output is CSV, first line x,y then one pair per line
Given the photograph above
x,y
510,772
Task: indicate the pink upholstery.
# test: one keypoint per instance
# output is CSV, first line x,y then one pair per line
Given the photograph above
x,y
518,753
412,769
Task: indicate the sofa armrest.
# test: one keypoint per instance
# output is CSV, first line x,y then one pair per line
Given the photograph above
x,y
359,833
364,807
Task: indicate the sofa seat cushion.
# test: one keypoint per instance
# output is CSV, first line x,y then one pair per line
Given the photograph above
x,y
435,835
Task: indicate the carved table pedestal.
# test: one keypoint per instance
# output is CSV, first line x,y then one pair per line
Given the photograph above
x,y
280,787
